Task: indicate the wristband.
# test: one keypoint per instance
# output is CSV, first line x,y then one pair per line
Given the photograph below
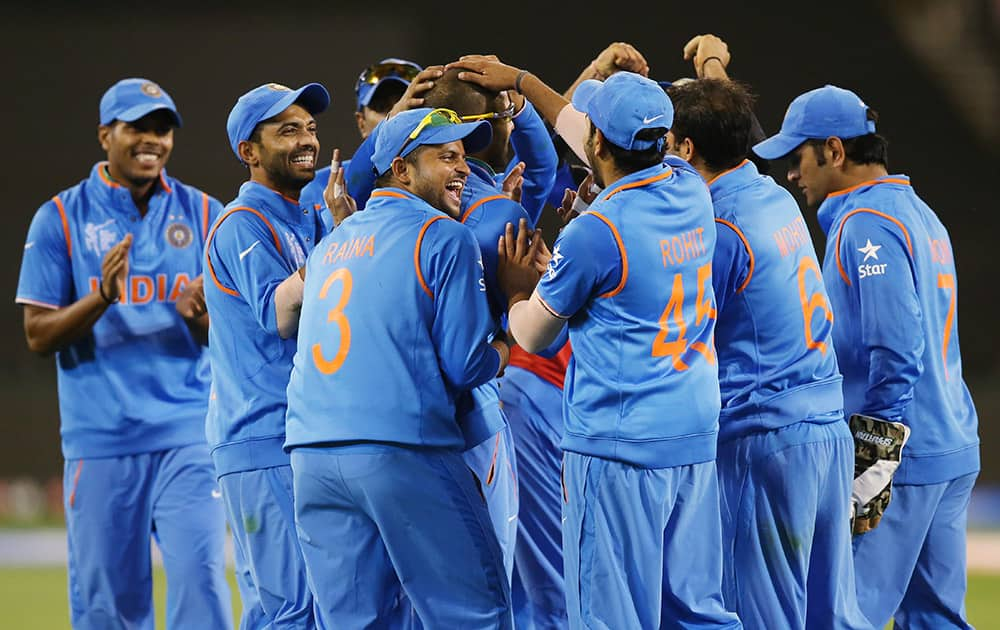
x,y
719,59
100,289
517,81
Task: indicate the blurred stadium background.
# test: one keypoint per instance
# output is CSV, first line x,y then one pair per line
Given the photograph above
x,y
930,67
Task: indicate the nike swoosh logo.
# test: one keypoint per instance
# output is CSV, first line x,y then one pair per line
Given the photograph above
x,y
29,245
216,494
646,121
511,519
248,249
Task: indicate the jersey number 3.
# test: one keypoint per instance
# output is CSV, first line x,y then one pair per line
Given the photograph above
x,y
336,316
703,308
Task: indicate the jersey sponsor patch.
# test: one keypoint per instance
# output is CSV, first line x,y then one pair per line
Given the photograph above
x,y
296,250
871,252
179,235
552,269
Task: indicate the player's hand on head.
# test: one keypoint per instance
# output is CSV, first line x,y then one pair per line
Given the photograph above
x,y
620,56
487,71
513,182
114,269
413,96
191,303
341,204
702,48
517,253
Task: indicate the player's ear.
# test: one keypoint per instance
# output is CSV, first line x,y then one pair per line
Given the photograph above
x,y
248,153
835,153
103,137
401,170
359,118
600,147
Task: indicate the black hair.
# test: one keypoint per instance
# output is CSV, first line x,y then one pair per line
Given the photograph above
x,y
718,118
385,96
384,180
629,161
867,149
465,97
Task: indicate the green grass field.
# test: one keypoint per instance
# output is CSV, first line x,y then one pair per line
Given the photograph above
x,y
36,599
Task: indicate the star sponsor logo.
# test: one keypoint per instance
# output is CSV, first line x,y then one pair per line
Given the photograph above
x,y
869,250
482,272
179,235
552,269
295,249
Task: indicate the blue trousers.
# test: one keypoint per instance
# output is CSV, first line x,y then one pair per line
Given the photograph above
x,y
786,528
495,466
113,505
642,547
270,570
912,566
376,521
534,409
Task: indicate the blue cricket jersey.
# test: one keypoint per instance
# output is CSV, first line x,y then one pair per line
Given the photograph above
x,y
394,324
777,365
260,239
312,194
139,382
532,145
890,272
633,276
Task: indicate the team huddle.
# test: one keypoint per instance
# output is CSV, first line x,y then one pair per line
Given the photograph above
x,y
413,412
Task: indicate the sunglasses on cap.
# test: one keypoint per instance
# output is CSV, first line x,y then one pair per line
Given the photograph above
x,y
440,117
507,113
400,70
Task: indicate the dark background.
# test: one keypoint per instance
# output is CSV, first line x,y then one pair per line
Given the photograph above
x,y
57,62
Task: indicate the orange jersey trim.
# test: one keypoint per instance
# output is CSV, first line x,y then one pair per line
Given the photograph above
x,y
65,224
621,247
642,182
746,244
726,172
208,242
76,481
102,168
416,249
388,193
871,182
204,213
163,182
479,203
840,232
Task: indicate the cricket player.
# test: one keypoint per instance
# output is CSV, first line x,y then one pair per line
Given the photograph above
x,y
641,530
253,255
786,457
108,267
890,274
395,323
378,88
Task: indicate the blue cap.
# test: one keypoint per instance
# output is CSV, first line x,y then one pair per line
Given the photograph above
x,y
131,99
821,113
390,69
268,101
395,132
623,105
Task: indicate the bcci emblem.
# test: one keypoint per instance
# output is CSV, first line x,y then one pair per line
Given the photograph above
x,y
277,87
179,235
151,89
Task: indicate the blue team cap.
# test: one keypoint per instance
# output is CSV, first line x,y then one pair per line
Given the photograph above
x,y
820,113
377,75
404,132
268,101
131,99
623,105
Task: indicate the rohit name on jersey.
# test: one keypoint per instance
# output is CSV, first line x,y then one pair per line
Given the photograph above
x,y
141,289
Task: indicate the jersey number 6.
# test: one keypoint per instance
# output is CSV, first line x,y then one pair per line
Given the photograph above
x,y
336,315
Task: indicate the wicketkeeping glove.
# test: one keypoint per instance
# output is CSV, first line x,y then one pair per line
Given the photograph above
x,y
878,445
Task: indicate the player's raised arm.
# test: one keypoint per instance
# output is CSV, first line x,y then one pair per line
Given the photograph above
x,y
50,329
